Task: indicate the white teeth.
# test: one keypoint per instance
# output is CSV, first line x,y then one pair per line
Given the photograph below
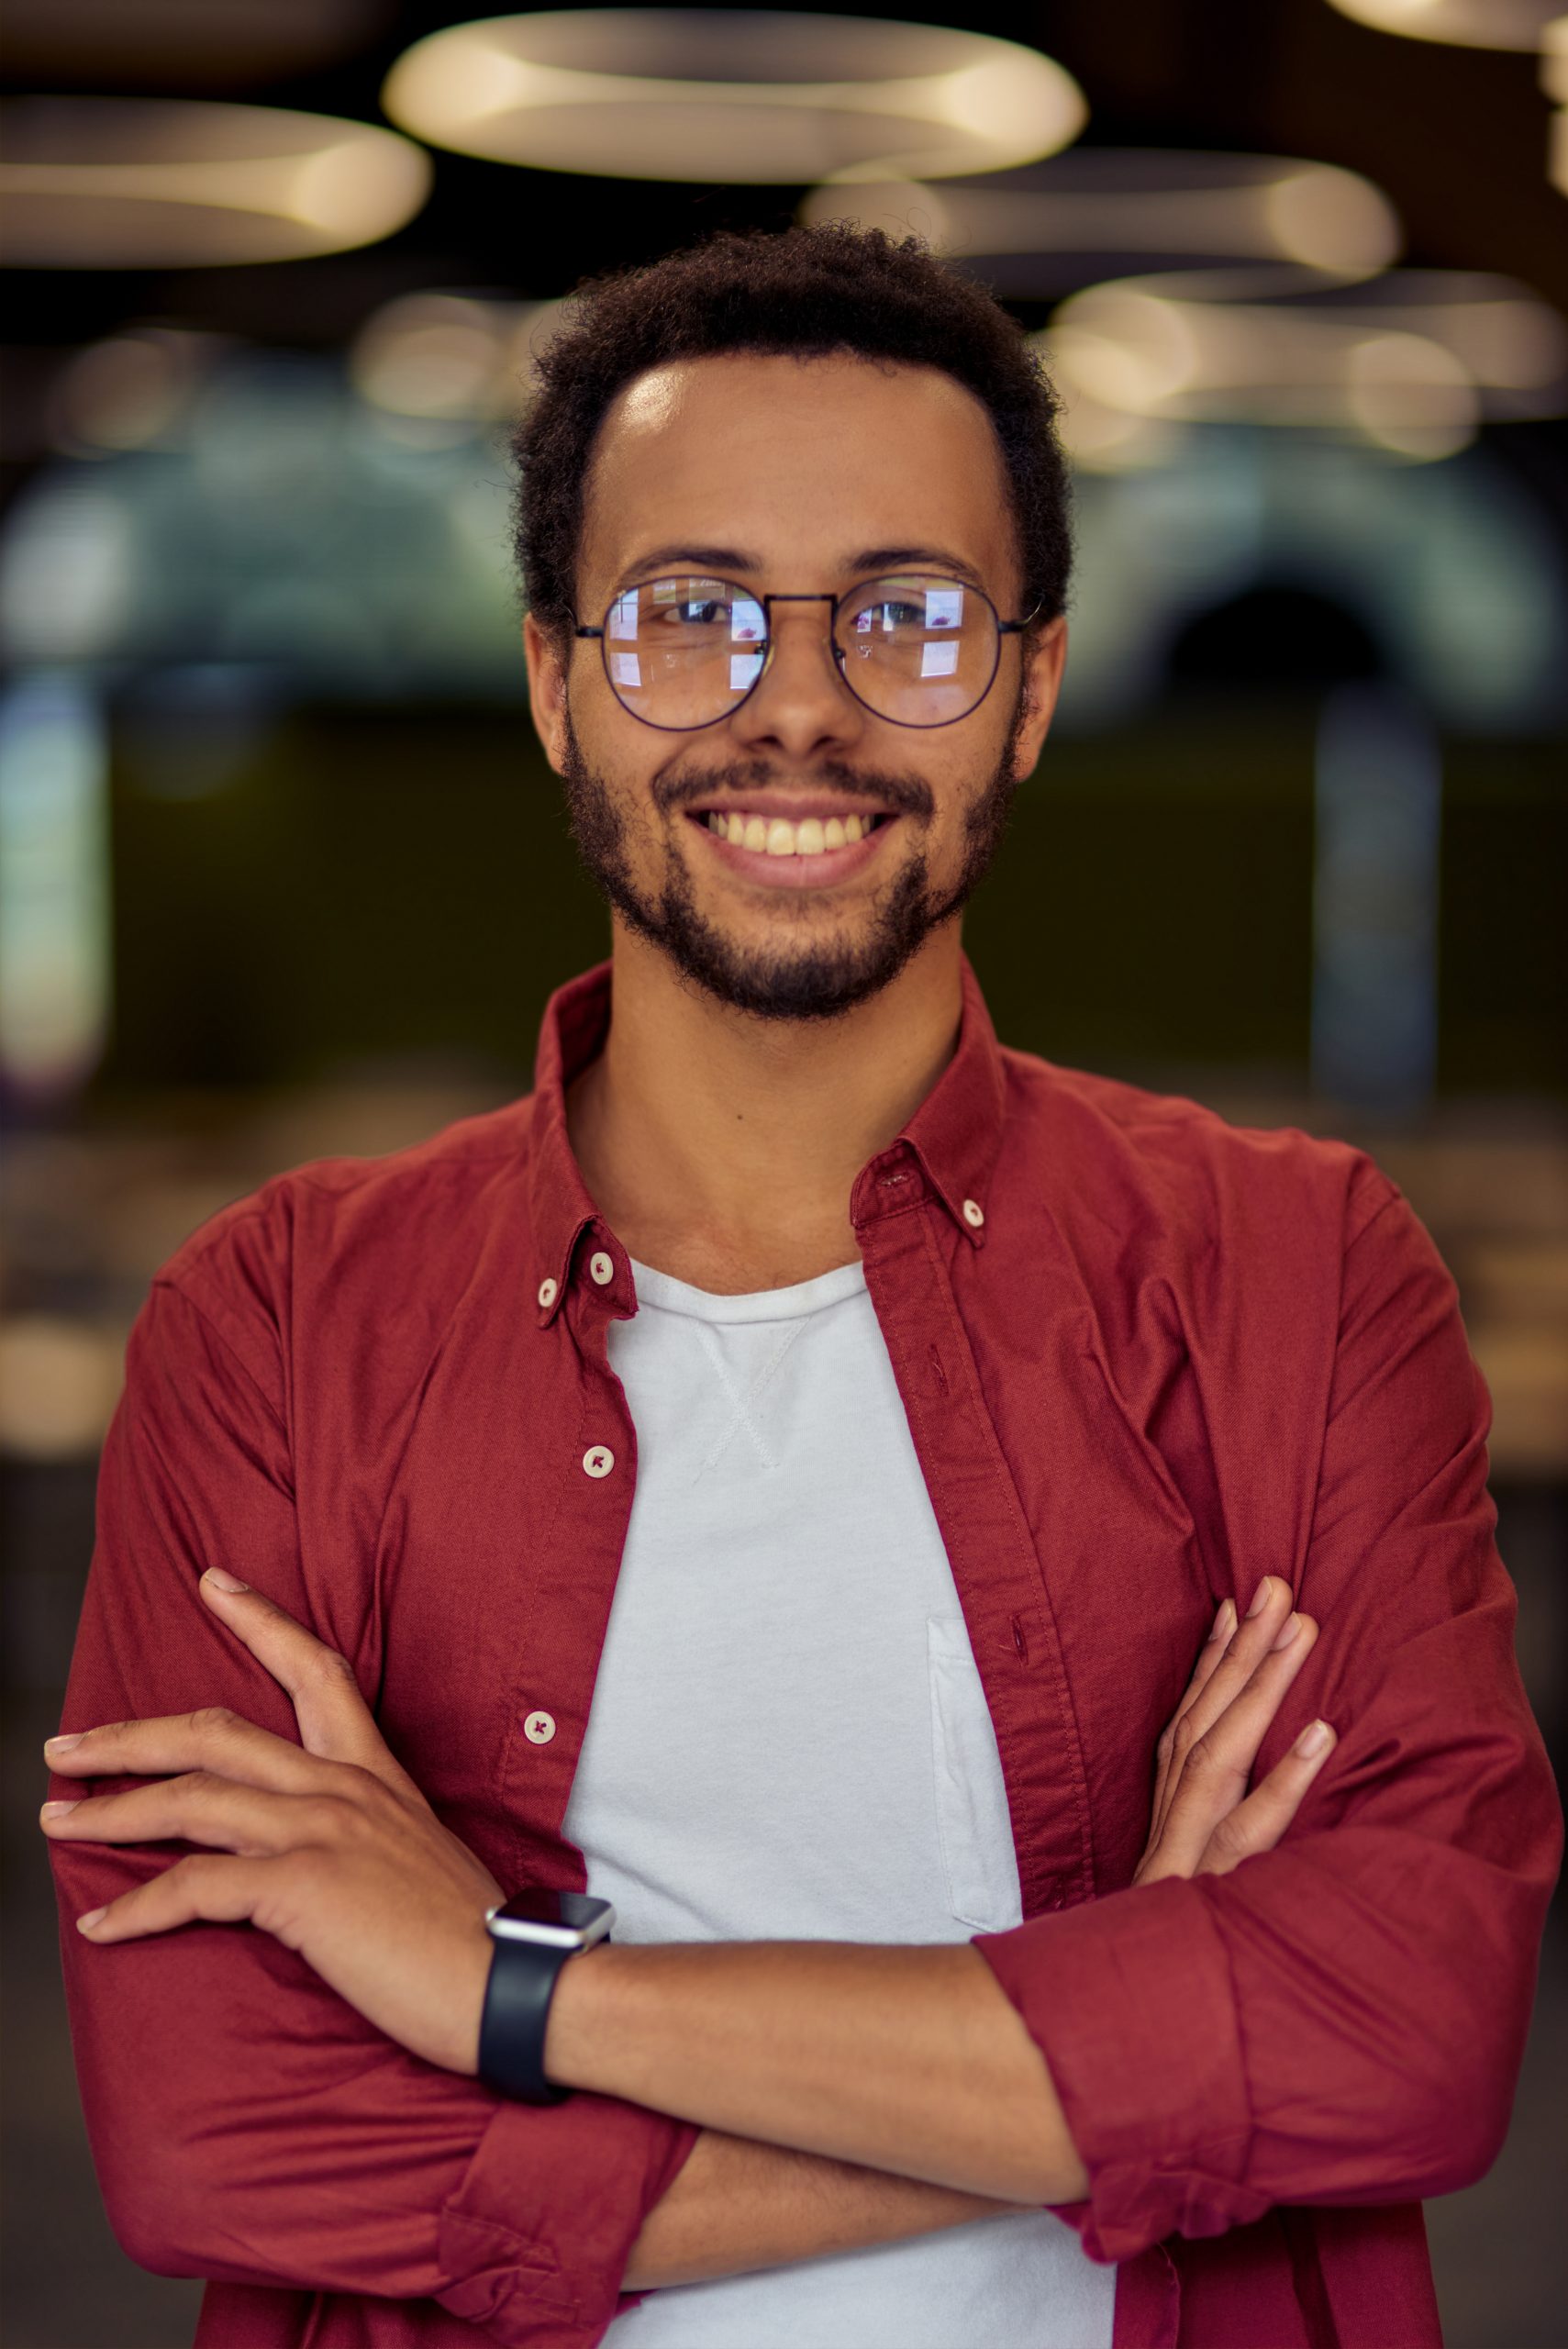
x,y
776,836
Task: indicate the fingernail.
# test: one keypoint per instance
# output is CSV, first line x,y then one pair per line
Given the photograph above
x,y
1259,1598
1316,1738
56,1809
1287,1631
1222,1617
63,1745
221,1579
91,1919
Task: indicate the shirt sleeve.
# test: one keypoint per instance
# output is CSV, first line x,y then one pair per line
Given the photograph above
x,y
247,2124
1340,2019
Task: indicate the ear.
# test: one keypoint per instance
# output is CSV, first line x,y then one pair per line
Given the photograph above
x,y
547,654
1045,657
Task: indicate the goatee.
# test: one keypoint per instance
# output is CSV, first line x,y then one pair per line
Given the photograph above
x,y
819,980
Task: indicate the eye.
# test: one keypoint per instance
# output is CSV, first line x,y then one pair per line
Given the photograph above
x,y
887,615
697,611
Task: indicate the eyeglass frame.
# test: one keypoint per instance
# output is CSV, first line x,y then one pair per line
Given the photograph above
x,y
840,656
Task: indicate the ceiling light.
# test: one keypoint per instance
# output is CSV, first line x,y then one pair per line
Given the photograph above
x,y
727,94
448,357
166,183
1100,211
1412,360
1468,24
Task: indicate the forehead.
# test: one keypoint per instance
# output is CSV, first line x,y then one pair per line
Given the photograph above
x,y
798,463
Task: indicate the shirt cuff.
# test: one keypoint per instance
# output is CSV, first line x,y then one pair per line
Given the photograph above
x,y
540,2232
1129,2000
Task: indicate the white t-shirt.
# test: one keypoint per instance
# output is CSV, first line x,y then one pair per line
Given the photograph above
x,y
789,1740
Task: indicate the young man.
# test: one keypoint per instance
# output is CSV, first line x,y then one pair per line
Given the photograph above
x,y
778,1477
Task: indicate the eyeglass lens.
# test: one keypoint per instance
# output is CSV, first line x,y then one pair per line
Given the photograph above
x,y
684,652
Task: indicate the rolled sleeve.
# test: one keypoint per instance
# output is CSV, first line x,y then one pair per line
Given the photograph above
x,y
1130,1999
586,2173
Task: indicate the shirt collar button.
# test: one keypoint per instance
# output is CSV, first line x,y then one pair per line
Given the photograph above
x,y
602,1268
973,1214
548,1292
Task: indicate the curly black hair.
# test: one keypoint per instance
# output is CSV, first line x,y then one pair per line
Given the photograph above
x,y
809,291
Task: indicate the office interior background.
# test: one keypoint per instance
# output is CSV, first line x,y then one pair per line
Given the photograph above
x,y
282,872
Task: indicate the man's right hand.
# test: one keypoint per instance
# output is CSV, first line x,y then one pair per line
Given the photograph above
x,y
1203,1819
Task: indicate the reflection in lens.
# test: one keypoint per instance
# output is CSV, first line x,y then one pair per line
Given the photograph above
x,y
918,651
682,652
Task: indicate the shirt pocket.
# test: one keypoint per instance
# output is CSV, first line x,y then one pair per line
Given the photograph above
x,y
973,1823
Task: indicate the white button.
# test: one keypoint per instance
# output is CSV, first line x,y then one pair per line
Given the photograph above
x,y
547,1294
599,1460
602,1268
539,1728
974,1213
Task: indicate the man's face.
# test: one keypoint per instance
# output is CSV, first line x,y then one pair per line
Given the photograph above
x,y
792,478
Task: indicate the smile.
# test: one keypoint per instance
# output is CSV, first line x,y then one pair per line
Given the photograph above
x,y
807,852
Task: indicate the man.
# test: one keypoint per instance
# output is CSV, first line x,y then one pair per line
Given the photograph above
x,y
778,1476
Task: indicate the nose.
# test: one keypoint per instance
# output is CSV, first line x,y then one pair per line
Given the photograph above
x,y
800,708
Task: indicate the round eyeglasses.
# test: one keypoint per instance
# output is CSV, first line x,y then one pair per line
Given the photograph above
x,y
916,649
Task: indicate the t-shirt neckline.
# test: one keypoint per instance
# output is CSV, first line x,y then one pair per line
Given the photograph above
x,y
672,1295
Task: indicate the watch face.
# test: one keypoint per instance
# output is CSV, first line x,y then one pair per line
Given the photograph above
x,y
558,1920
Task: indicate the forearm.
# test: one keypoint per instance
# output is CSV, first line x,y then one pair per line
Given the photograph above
x,y
908,2061
737,2206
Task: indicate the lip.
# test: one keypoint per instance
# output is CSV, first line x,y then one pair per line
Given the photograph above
x,y
795,872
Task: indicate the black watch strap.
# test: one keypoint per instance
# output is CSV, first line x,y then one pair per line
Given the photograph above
x,y
511,2029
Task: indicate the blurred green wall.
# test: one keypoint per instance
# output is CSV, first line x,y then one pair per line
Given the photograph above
x,y
395,886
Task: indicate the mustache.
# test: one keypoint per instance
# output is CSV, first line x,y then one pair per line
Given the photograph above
x,y
683,786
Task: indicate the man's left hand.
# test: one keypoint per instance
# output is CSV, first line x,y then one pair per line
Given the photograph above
x,y
328,1845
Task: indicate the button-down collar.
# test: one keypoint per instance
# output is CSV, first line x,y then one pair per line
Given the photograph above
x,y
953,1136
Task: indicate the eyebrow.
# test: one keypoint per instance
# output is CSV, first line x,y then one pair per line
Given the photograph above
x,y
869,562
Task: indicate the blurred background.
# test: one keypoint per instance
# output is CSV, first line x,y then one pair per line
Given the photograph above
x,y
281,870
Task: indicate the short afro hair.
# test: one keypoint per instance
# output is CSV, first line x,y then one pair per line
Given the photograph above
x,y
808,291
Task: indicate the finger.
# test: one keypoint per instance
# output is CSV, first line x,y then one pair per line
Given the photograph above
x,y
212,1738
1215,1770
1259,1823
222,1891
197,1809
1209,1657
1252,1639
1223,1678
334,1718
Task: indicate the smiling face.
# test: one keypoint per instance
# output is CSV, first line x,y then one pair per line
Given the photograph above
x,y
795,854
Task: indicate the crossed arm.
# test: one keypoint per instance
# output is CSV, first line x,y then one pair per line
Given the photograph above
x,y
846,2094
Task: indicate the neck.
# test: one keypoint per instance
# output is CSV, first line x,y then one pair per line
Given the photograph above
x,y
721,1147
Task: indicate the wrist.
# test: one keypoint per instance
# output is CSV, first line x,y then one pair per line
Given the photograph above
x,y
578,2039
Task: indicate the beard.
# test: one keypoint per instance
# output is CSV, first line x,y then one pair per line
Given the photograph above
x,y
822,978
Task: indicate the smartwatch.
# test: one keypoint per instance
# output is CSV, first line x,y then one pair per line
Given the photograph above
x,y
532,1938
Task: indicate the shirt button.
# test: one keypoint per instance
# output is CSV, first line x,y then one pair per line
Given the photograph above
x,y
973,1214
602,1268
599,1460
539,1728
547,1293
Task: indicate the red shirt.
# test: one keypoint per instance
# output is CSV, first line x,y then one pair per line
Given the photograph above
x,y
1147,1358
